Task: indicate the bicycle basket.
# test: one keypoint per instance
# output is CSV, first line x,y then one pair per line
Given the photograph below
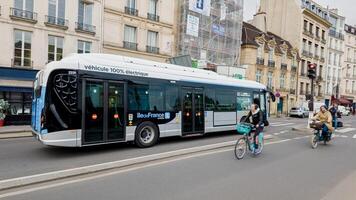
x,y
243,128
316,125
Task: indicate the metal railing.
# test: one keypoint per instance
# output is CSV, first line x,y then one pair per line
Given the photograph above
x,y
151,49
21,62
131,11
271,63
85,27
51,20
153,17
23,14
284,66
260,61
292,91
130,45
336,34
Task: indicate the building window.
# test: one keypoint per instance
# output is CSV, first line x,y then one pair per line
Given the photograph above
x,y
152,7
310,47
260,51
84,47
26,5
259,76
55,48
282,81
292,82
271,54
85,13
307,88
316,50
152,39
317,32
22,48
270,80
56,12
322,52
311,28
131,3
152,42
302,69
130,37
20,102
305,25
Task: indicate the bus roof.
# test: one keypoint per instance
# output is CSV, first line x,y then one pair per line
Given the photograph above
x,y
144,68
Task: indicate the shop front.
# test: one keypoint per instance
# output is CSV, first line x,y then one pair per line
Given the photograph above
x,y
16,88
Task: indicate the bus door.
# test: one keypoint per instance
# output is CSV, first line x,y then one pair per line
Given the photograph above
x,y
192,110
103,108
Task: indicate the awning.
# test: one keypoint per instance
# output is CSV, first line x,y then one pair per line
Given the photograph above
x,y
344,101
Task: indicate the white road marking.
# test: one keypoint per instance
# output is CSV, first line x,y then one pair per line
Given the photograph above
x,y
354,137
339,136
345,130
286,124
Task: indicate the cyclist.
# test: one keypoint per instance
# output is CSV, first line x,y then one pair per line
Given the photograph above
x,y
324,116
257,120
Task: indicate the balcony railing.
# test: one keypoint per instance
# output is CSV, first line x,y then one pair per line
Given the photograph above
x,y
319,78
294,69
56,22
85,28
284,66
323,40
153,17
17,62
316,57
322,59
305,53
336,34
260,61
317,37
25,15
130,45
151,49
292,91
131,11
271,63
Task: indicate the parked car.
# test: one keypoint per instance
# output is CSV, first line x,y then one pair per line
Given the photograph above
x,y
299,112
343,110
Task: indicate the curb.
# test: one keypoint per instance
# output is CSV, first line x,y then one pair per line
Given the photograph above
x,y
50,176
15,135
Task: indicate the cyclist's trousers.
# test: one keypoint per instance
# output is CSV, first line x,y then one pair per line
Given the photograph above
x,y
257,132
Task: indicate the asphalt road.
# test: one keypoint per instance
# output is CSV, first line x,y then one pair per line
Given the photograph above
x,y
287,169
26,156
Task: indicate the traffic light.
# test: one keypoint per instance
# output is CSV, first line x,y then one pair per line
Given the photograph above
x,y
312,71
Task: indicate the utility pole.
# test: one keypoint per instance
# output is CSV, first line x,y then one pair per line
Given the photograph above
x,y
312,76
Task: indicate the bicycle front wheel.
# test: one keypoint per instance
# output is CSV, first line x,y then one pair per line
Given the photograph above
x,y
240,148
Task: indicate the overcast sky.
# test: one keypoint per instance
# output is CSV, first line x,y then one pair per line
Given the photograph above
x,y
346,8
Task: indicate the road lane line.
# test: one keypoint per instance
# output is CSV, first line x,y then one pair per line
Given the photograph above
x,y
354,137
29,190
286,124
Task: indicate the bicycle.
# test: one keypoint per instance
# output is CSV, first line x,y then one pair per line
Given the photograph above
x,y
246,142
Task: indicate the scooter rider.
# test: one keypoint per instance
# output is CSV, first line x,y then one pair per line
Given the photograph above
x,y
324,116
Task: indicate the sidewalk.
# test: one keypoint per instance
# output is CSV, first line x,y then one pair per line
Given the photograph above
x,y
15,131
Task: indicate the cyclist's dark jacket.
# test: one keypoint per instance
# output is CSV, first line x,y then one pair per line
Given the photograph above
x,y
333,112
257,118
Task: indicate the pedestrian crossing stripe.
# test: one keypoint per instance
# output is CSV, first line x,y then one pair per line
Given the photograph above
x,y
354,137
345,130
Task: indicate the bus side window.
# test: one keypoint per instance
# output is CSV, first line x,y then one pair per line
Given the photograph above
x,y
209,99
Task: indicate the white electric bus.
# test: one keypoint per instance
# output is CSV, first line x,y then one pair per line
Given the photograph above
x,y
92,99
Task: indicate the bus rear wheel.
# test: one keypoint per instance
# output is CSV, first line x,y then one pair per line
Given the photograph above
x,y
146,135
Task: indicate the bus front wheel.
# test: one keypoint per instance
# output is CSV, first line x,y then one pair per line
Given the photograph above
x,y
146,135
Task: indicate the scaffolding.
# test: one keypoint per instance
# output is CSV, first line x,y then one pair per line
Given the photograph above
x,y
217,38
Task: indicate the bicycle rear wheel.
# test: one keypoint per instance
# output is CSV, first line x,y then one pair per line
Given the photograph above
x,y
240,148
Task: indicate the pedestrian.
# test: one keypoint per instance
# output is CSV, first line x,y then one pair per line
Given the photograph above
x,y
334,111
